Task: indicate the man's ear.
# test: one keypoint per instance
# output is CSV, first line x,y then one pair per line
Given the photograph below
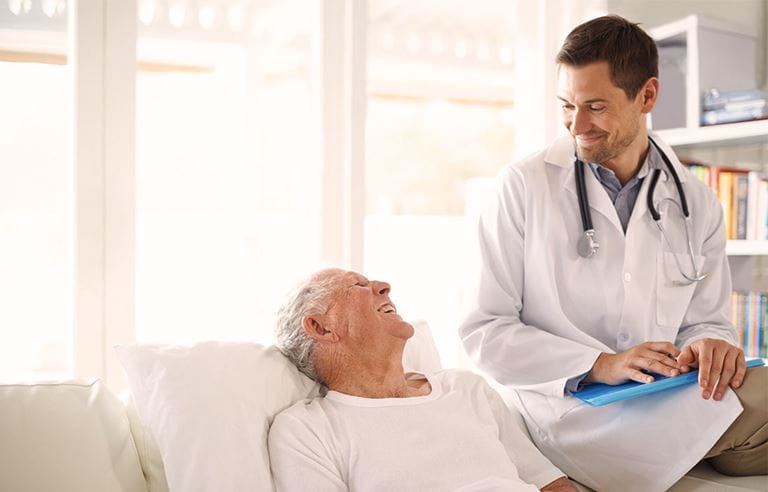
x,y
648,94
319,329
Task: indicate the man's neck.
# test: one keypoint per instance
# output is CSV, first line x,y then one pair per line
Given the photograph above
x,y
372,378
629,162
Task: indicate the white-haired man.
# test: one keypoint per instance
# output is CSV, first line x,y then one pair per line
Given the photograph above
x,y
377,427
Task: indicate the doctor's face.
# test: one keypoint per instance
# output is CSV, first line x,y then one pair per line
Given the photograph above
x,y
600,117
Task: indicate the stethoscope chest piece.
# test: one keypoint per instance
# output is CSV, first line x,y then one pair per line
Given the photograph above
x,y
587,246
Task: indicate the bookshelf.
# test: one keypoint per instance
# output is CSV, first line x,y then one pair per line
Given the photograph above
x,y
745,133
718,136
746,248
697,54
748,259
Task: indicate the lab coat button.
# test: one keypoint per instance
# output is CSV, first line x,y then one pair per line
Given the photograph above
x,y
627,277
623,337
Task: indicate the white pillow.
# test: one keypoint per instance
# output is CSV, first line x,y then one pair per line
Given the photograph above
x,y
209,407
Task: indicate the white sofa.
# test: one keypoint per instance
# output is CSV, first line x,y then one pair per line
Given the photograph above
x,y
77,436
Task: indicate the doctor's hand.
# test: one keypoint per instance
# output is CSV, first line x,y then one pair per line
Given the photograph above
x,y
658,357
719,362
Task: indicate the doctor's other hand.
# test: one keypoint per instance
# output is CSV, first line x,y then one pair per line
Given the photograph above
x,y
658,357
719,362
562,484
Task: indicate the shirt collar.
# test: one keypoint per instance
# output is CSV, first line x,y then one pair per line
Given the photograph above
x,y
652,161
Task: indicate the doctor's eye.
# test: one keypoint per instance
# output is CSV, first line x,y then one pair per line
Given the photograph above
x,y
596,108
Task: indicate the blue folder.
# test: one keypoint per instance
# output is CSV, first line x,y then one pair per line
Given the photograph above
x,y
600,394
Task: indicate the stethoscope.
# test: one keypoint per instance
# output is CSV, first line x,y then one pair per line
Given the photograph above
x,y
588,245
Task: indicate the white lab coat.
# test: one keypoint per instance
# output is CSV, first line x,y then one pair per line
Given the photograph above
x,y
542,314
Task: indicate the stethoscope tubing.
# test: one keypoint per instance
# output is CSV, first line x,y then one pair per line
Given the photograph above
x,y
588,246
581,190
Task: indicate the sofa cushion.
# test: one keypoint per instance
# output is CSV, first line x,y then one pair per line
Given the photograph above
x,y
66,436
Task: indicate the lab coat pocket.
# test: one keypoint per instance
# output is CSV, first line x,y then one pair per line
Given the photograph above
x,y
673,290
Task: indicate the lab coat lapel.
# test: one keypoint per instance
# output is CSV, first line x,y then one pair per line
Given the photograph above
x,y
561,154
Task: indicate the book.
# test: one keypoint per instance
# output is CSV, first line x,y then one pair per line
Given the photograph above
x,y
715,99
720,116
597,395
740,204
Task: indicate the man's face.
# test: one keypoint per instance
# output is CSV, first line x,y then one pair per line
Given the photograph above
x,y
362,312
599,116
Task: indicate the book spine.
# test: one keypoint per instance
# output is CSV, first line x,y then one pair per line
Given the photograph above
x,y
762,220
764,316
752,210
742,190
719,100
724,194
720,116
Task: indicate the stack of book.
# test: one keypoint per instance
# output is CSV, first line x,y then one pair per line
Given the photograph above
x,y
743,195
749,314
732,106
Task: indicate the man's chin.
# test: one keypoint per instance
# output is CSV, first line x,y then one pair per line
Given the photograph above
x,y
597,156
408,330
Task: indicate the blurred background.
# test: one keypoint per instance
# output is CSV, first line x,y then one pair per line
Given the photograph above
x,y
170,168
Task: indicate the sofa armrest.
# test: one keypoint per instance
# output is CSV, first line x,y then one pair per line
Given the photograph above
x,y
66,436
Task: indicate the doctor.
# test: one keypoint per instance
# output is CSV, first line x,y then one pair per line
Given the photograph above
x,y
579,284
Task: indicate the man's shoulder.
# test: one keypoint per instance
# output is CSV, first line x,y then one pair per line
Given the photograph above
x,y
307,411
531,163
460,378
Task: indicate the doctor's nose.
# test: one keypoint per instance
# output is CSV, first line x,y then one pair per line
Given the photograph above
x,y
381,288
580,122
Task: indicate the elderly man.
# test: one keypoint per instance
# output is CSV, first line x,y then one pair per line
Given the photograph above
x,y
377,427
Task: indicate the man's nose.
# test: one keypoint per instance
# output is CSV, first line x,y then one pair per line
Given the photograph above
x,y
580,122
381,288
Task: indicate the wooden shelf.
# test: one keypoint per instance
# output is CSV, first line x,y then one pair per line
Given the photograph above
x,y
747,132
746,248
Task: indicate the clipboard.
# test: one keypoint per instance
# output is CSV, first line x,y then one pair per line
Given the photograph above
x,y
600,394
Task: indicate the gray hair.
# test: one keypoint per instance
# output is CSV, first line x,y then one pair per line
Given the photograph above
x,y
311,297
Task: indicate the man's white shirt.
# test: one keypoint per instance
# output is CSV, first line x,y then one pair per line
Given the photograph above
x,y
459,437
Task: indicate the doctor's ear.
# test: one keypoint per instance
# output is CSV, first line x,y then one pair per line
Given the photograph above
x,y
648,94
318,328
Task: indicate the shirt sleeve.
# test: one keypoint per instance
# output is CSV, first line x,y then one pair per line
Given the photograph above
x,y
708,313
299,459
493,334
532,466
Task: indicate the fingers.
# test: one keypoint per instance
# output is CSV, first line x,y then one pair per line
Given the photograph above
x,y
659,363
686,358
705,368
741,370
638,376
728,370
664,348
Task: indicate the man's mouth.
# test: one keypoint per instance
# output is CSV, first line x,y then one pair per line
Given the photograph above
x,y
387,308
588,139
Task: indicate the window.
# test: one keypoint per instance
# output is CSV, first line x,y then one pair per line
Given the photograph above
x,y
227,185
36,192
440,125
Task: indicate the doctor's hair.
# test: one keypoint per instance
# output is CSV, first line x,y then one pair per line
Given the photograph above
x,y
631,54
310,297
